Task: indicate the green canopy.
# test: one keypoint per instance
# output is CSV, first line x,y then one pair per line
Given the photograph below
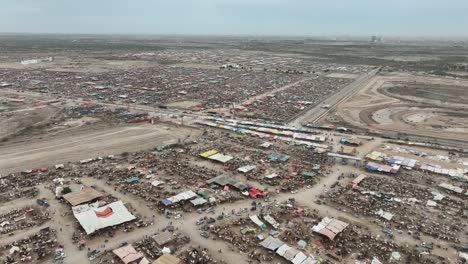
x,y
159,148
248,229
132,179
308,173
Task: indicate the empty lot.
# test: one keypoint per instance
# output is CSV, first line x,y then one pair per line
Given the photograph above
x,y
83,145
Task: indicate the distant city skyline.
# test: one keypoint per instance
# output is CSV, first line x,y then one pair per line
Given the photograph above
x,y
404,18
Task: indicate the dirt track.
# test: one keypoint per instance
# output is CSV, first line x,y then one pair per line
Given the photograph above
x,y
374,108
78,146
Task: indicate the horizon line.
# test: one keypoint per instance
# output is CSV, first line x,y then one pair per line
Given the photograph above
x,y
318,36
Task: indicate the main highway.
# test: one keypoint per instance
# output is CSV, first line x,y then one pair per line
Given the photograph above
x,y
317,112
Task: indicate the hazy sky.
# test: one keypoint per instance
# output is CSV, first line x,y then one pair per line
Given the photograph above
x,y
238,17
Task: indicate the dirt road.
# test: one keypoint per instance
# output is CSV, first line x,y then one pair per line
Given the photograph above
x,y
373,108
74,147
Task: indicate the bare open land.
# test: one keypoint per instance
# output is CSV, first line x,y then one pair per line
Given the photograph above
x,y
410,104
86,144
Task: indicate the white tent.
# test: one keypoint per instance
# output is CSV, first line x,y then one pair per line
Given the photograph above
x,y
257,221
247,168
90,221
220,157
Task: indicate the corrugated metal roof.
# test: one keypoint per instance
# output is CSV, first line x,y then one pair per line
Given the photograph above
x,y
167,259
87,194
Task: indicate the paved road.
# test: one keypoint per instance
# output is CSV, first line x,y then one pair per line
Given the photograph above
x,y
318,112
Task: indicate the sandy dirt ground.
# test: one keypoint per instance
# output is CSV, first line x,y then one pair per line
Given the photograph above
x,y
408,58
18,112
343,75
184,104
374,108
90,144
17,120
77,64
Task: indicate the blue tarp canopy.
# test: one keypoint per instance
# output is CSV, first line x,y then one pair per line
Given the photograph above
x,y
166,202
132,179
371,168
344,140
276,156
308,173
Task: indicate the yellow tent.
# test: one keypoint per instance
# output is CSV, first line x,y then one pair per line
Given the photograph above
x,y
208,153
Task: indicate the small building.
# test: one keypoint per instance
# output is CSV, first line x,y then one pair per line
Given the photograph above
x,y
86,195
163,238
168,259
127,254
329,227
346,150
